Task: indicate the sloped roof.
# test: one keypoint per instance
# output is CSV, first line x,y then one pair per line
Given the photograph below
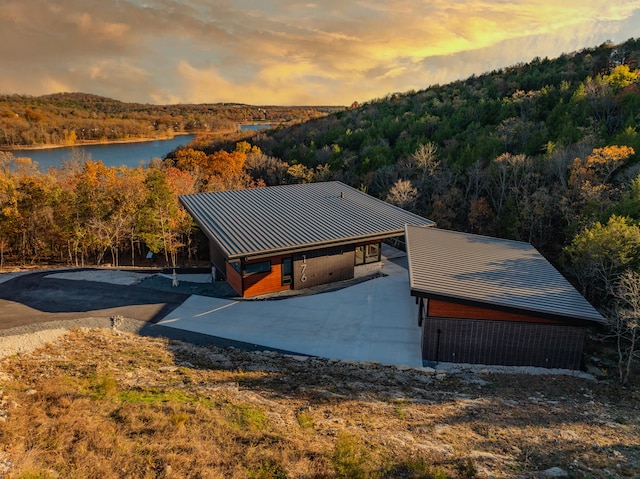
x,y
490,271
290,217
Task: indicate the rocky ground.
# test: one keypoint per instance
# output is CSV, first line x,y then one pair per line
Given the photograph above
x,y
395,421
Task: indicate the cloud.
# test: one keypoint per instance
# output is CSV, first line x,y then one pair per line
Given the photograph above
x,y
330,52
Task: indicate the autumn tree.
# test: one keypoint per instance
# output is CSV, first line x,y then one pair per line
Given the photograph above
x,y
598,255
403,194
225,171
34,214
590,178
299,173
181,183
161,221
8,205
621,77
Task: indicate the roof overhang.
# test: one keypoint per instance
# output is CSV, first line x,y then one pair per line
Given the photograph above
x,y
565,319
316,246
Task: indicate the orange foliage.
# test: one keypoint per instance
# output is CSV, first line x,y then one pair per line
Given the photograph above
x,y
180,182
598,167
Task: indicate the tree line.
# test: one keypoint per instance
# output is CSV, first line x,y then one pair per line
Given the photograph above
x,y
87,213
72,118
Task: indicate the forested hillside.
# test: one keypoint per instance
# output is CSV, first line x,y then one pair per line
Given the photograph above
x,y
544,152
537,152
71,118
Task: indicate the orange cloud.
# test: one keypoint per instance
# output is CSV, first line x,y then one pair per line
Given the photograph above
x,y
335,51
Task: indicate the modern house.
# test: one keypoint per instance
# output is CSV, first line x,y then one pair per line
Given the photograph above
x,y
265,240
485,300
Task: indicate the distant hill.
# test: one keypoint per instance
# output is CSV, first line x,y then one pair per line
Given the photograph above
x,y
68,118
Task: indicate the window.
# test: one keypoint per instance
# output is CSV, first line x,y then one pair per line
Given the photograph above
x,y
254,268
372,253
287,271
366,254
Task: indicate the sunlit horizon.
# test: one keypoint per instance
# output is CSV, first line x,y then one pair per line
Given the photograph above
x,y
285,53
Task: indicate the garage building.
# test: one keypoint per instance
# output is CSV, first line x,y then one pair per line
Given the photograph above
x,y
486,300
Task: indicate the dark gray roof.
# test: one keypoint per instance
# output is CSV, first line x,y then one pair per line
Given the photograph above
x,y
280,218
491,271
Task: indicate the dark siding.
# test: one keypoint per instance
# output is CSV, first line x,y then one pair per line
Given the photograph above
x,y
217,258
234,279
323,266
507,343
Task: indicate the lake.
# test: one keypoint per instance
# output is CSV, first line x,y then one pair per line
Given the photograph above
x,y
255,126
111,154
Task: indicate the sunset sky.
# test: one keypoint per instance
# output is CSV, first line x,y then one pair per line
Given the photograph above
x,y
285,52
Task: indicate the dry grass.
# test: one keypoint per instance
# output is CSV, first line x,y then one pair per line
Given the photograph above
x,y
103,404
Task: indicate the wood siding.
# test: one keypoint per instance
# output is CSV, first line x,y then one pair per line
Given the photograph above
x,y
502,342
446,309
264,283
323,266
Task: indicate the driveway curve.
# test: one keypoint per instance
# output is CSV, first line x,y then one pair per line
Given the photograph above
x,y
35,298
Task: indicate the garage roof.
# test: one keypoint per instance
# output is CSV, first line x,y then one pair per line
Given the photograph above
x,y
292,217
490,271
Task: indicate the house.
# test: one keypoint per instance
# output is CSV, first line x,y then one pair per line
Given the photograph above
x,y
485,300
266,240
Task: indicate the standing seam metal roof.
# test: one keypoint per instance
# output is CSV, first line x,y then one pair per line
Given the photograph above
x,y
492,271
263,220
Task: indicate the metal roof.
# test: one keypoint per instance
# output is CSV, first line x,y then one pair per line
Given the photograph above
x,y
491,271
290,217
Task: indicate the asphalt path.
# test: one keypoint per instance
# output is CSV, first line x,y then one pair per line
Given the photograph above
x,y
34,298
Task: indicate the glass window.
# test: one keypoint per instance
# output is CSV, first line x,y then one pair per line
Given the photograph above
x,y
287,271
253,268
373,253
359,255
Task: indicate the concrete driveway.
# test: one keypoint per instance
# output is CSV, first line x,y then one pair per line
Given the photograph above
x,y
375,320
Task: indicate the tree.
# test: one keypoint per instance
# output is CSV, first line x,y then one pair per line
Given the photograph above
x,y
160,217
597,256
403,194
625,321
629,205
621,77
299,174
505,175
590,177
267,168
426,161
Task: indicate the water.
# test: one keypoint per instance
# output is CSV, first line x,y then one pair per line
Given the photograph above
x,y
111,154
255,126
